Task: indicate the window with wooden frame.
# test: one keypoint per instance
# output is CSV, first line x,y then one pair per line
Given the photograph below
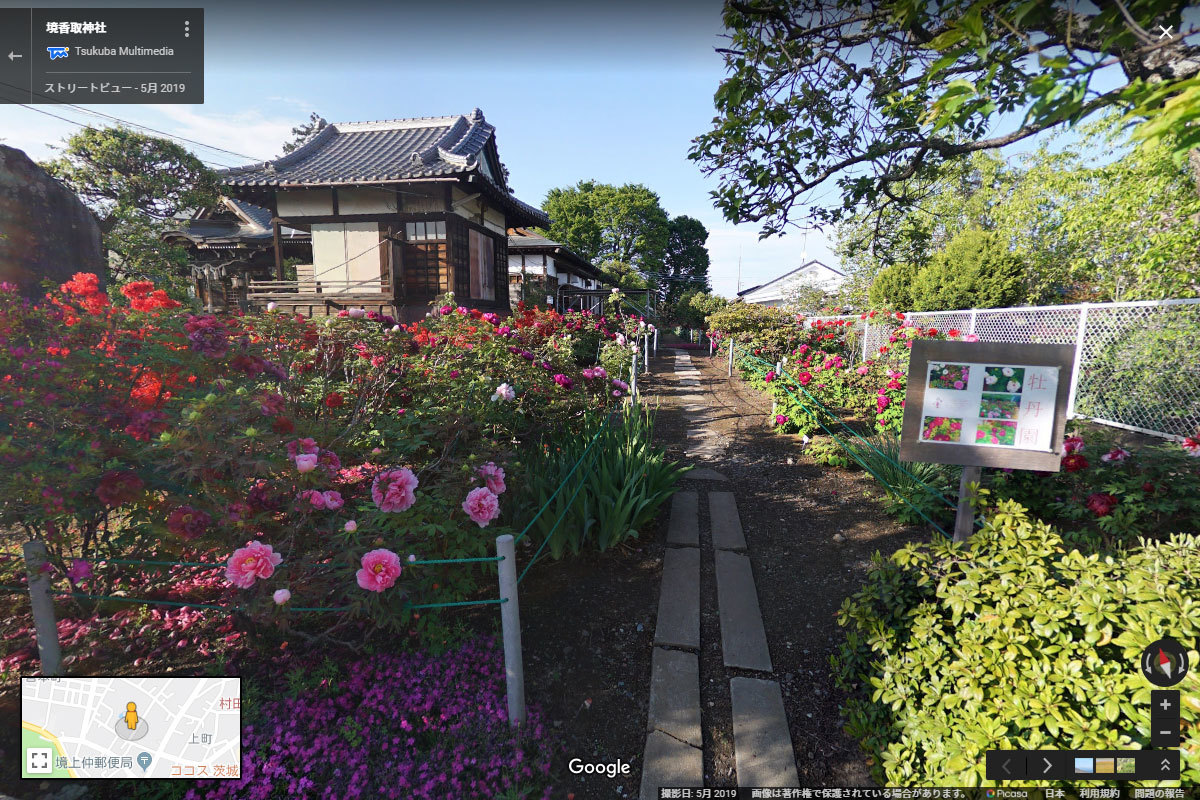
x,y
426,266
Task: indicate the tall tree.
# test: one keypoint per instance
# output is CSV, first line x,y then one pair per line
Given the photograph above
x,y
687,261
606,223
305,131
874,97
133,183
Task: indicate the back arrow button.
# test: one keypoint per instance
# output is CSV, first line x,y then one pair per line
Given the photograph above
x,y
14,56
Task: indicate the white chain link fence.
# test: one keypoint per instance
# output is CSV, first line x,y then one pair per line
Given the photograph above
x,y
1136,364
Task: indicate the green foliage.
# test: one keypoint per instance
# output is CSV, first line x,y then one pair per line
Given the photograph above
x,y
975,270
893,286
1154,489
686,262
1090,219
693,307
614,493
828,453
1012,641
910,486
133,182
876,99
305,131
606,223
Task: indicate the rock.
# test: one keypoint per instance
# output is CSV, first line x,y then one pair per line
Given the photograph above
x,y
837,537
48,232
640,627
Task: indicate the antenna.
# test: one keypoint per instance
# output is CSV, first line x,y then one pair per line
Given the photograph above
x,y
739,269
804,249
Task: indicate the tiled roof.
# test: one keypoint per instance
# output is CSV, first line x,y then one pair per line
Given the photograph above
x,y
250,224
388,151
527,241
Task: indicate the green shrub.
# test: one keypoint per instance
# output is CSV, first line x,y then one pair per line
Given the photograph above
x,y
976,270
1011,642
828,453
892,287
615,492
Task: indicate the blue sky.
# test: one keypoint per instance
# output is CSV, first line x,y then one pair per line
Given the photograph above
x,y
608,91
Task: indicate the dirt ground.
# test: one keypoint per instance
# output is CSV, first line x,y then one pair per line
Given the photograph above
x,y
791,510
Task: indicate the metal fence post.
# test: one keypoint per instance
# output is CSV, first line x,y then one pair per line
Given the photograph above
x,y
1079,338
656,341
710,347
866,336
510,623
646,360
972,325
43,608
633,377
731,357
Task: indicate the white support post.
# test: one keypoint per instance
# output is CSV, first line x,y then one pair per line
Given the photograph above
x,y
43,608
710,347
731,357
510,623
974,314
633,377
1079,339
866,336
656,341
646,360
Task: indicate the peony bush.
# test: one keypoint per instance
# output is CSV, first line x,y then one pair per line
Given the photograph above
x,y
284,450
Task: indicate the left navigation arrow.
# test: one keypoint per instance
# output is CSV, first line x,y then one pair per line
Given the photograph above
x,y
13,56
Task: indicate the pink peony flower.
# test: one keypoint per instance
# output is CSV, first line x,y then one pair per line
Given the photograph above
x,y
493,476
394,489
306,462
1117,454
350,527
970,337
79,570
248,564
482,506
863,370
503,393
1073,444
1191,445
380,569
281,596
780,419
357,313
333,500
317,499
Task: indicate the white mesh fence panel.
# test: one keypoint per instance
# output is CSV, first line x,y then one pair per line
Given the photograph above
x,y
1137,362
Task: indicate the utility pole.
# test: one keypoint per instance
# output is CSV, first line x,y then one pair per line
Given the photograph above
x,y
739,269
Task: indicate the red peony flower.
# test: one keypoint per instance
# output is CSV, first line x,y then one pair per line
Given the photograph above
x,y
334,400
952,333
188,522
118,486
282,425
1148,487
804,378
1074,462
1101,504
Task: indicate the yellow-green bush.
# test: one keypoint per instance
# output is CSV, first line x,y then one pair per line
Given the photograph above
x,y
1013,642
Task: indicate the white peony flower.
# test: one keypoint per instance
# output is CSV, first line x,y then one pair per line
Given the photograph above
x,y
503,393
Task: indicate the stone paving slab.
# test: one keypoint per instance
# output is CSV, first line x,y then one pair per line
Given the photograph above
x,y
762,743
669,762
684,526
726,524
679,603
743,638
675,695
705,474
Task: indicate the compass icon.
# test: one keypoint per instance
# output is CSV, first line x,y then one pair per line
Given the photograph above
x,y
1165,662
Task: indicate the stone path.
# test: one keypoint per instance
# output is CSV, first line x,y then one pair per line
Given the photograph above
x,y
674,745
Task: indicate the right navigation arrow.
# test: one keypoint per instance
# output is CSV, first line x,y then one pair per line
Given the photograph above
x,y
1049,765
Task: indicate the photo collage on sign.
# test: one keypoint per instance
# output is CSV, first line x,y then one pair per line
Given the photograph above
x,y
1000,405
989,405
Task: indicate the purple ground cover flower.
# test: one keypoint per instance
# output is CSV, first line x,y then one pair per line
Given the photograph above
x,y
398,726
